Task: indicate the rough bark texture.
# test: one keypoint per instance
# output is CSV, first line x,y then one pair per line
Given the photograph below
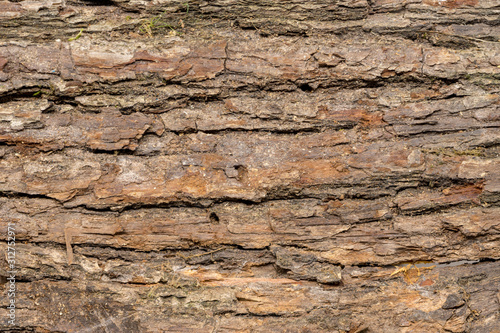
x,y
251,166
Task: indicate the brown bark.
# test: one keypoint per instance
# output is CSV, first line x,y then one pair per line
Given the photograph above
x,y
251,166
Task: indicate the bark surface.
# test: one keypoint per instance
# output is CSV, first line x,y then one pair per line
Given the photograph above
x,y
251,166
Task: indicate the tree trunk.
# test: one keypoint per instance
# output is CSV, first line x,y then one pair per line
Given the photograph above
x,y
250,166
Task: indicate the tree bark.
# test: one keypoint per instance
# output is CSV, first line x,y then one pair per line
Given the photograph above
x,y
250,166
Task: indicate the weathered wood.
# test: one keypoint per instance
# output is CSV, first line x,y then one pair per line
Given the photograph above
x,y
251,166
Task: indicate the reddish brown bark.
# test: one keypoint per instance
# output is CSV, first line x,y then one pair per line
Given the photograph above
x,y
231,166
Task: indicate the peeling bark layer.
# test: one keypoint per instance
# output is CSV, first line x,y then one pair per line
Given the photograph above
x,y
250,166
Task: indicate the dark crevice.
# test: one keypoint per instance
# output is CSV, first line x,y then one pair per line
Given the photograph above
x,y
442,182
97,2
14,194
61,100
244,130
21,94
266,315
305,87
136,206
291,131
121,151
214,218
487,260
451,96
28,329
76,246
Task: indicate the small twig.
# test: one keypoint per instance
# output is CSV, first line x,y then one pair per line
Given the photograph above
x,y
69,250
76,37
406,269
151,292
466,297
402,269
